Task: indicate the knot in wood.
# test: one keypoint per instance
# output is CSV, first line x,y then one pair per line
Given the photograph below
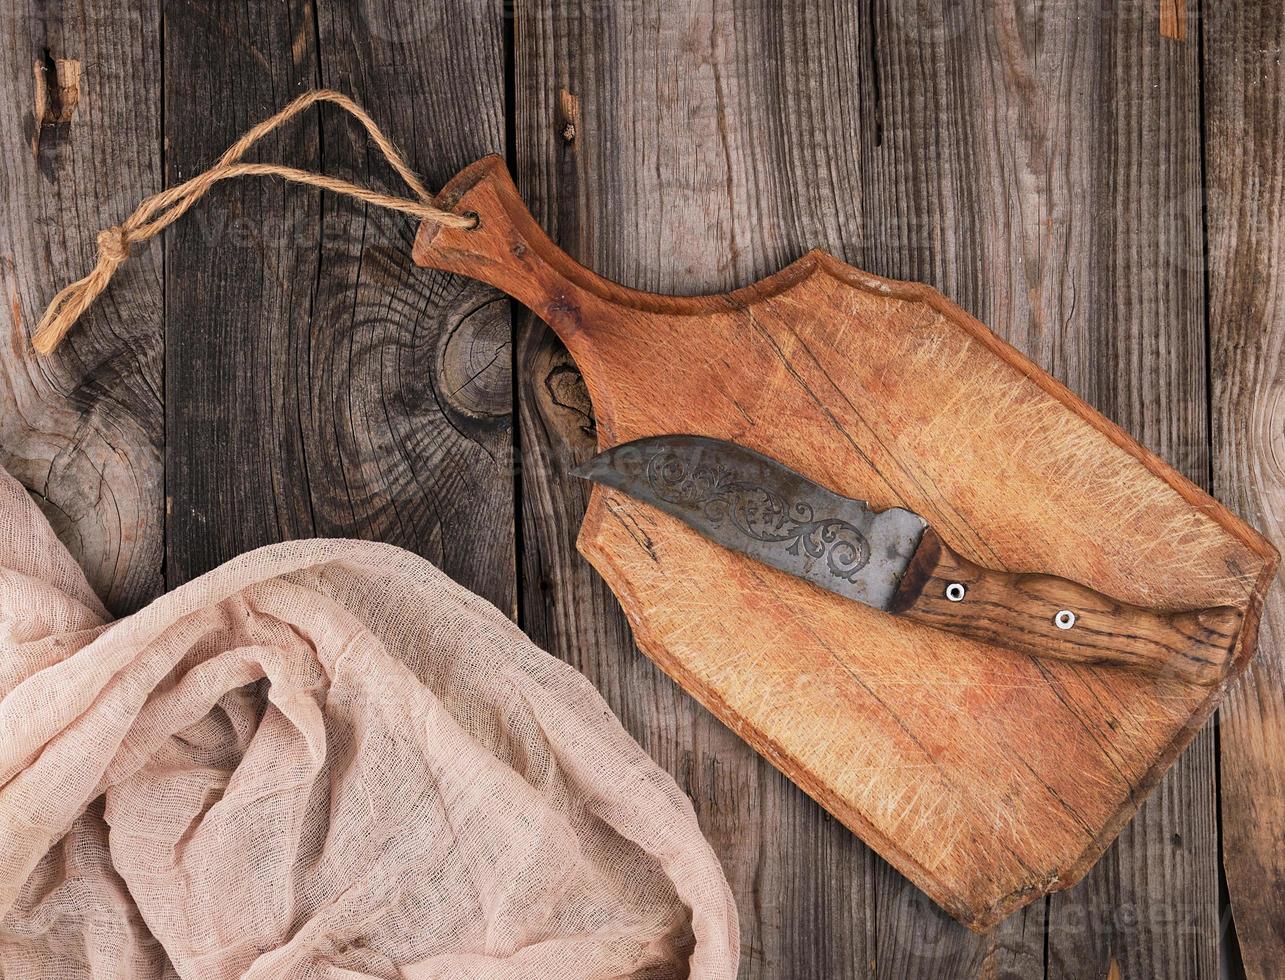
x,y
474,370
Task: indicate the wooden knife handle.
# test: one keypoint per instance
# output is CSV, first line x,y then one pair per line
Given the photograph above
x,y
1047,616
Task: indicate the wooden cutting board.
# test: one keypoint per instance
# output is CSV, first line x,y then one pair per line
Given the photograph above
x,y
986,777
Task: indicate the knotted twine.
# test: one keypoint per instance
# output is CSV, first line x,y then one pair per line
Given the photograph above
x,y
323,760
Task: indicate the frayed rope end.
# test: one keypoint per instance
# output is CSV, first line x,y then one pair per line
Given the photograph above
x,y
66,308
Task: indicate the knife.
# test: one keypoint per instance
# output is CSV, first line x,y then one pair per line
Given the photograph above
x,y
894,561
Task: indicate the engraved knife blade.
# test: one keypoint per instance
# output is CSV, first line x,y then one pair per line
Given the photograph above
x,y
753,504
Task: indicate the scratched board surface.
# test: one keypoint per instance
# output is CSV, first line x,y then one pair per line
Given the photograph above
x,y
1039,163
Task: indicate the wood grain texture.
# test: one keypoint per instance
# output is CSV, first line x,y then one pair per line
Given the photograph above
x,y
79,144
331,388
1245,125
988,780
1046,616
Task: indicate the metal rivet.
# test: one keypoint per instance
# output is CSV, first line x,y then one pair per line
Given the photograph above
x,y
955,592
1064,620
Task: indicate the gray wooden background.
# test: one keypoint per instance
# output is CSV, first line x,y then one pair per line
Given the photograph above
x,y
1109,200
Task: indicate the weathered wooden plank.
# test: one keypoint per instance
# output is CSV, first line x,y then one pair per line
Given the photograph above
x,y
1245,174
237,279
652,145
320,384
417,369
1040,165
1151,907
79,145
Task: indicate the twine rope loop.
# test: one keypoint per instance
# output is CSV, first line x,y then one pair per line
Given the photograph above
x,y
157,212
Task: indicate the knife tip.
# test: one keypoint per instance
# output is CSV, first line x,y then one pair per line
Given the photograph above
x,y
585,470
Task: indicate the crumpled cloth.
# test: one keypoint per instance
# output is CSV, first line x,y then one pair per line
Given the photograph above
x,y
324,759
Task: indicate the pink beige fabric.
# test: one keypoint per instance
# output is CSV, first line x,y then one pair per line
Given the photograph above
x,y
324,759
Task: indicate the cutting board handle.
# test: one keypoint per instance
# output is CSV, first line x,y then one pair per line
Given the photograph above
x,y
508,248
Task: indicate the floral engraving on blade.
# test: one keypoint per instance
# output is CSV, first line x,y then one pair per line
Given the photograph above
x,y
759,513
